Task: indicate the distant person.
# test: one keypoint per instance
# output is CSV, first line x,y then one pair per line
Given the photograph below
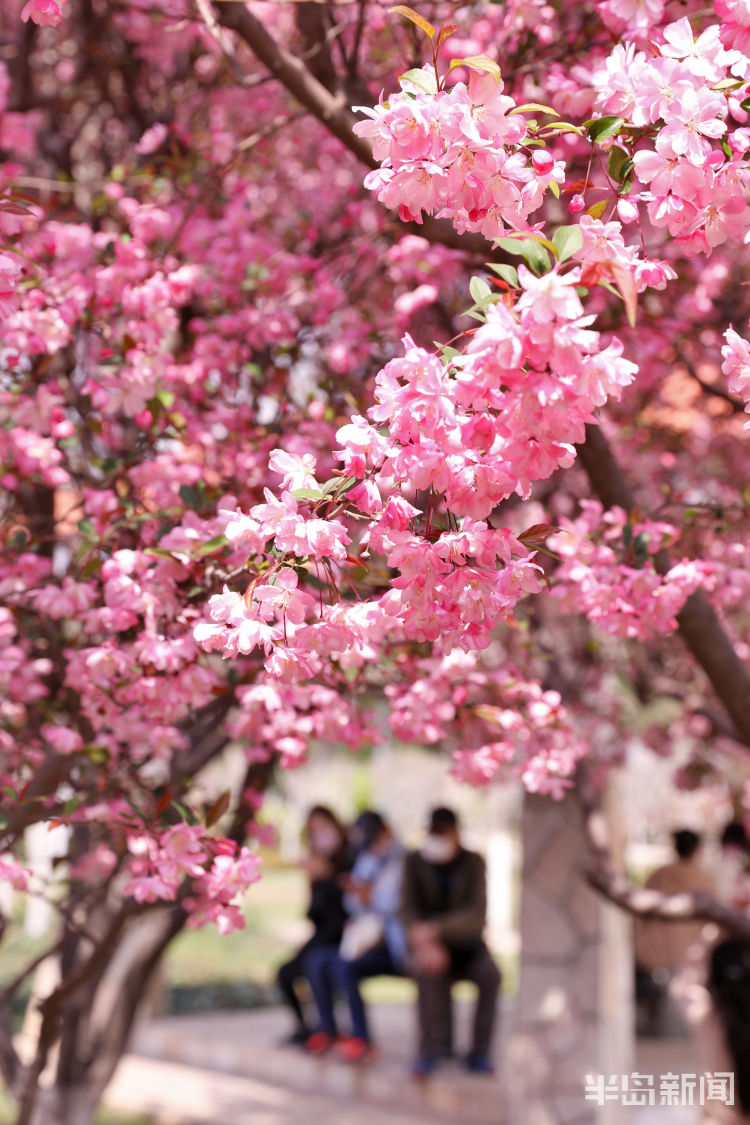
x,y
661,946
327,858
734,873
444,906
729,988
373,942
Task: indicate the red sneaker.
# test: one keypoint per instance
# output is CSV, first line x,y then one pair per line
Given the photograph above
x,y
319,1042
356,1050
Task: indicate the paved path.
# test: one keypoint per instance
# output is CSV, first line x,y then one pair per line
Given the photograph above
x,y
185,1095
224,1068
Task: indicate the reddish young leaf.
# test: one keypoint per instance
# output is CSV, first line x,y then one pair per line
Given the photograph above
x,y
218,808
445,33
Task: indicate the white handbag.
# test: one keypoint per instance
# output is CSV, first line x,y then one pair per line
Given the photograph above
x,y
361,934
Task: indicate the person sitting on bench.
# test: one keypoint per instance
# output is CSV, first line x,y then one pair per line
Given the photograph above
x,y
444,905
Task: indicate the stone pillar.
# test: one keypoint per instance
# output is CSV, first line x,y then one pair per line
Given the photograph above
x,y
574,1009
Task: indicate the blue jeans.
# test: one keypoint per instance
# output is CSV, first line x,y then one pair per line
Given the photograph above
x,y
329,974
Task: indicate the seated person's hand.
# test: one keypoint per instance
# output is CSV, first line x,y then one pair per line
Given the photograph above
x,y
431,958
424,932
362,891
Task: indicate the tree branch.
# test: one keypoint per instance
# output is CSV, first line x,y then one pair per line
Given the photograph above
x,y
698,623
736,404
332,112
641,901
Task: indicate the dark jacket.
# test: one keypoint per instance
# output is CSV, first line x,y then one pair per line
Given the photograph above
x,y
460,914
327,912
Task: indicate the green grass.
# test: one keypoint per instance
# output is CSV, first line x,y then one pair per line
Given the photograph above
x,y
273,908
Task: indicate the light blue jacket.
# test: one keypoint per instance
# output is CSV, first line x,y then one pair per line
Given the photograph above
x,y
384,872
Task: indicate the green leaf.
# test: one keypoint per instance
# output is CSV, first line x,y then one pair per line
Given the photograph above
x,y
479,290
87,528
212,545
160,553
307,494
532,252
189,496
534,105
446,351
425,80
561,127
596,210
728,84
568,241
98,754
506,272
479,62
618,158
420,21
185,812
345,484
554,187
604,127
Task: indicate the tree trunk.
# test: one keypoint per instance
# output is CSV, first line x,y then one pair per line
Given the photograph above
x,y
573,1013
73,1105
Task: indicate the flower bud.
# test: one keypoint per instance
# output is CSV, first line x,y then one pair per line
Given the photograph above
x,y
543,161
627,210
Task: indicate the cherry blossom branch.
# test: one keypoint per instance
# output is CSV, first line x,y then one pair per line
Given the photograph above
x,y
698,623
331,111
641,901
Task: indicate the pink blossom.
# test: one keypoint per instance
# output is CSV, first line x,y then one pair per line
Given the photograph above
x,y
691,120
43,12
284,598
63,739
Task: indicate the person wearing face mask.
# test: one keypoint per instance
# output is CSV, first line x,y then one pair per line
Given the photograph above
x,y
327,859
444,906
373,943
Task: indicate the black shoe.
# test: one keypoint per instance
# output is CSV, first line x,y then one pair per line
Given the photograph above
x,y
298,1038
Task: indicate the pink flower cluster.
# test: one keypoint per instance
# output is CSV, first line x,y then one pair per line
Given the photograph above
x,y
608,572
468,430
696,188
736,366
500,723
457,153
221,872
284,719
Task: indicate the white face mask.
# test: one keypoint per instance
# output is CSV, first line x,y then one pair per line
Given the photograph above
x,y
438,849
325,841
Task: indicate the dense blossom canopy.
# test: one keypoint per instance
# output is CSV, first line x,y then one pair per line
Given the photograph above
x,y
267,451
